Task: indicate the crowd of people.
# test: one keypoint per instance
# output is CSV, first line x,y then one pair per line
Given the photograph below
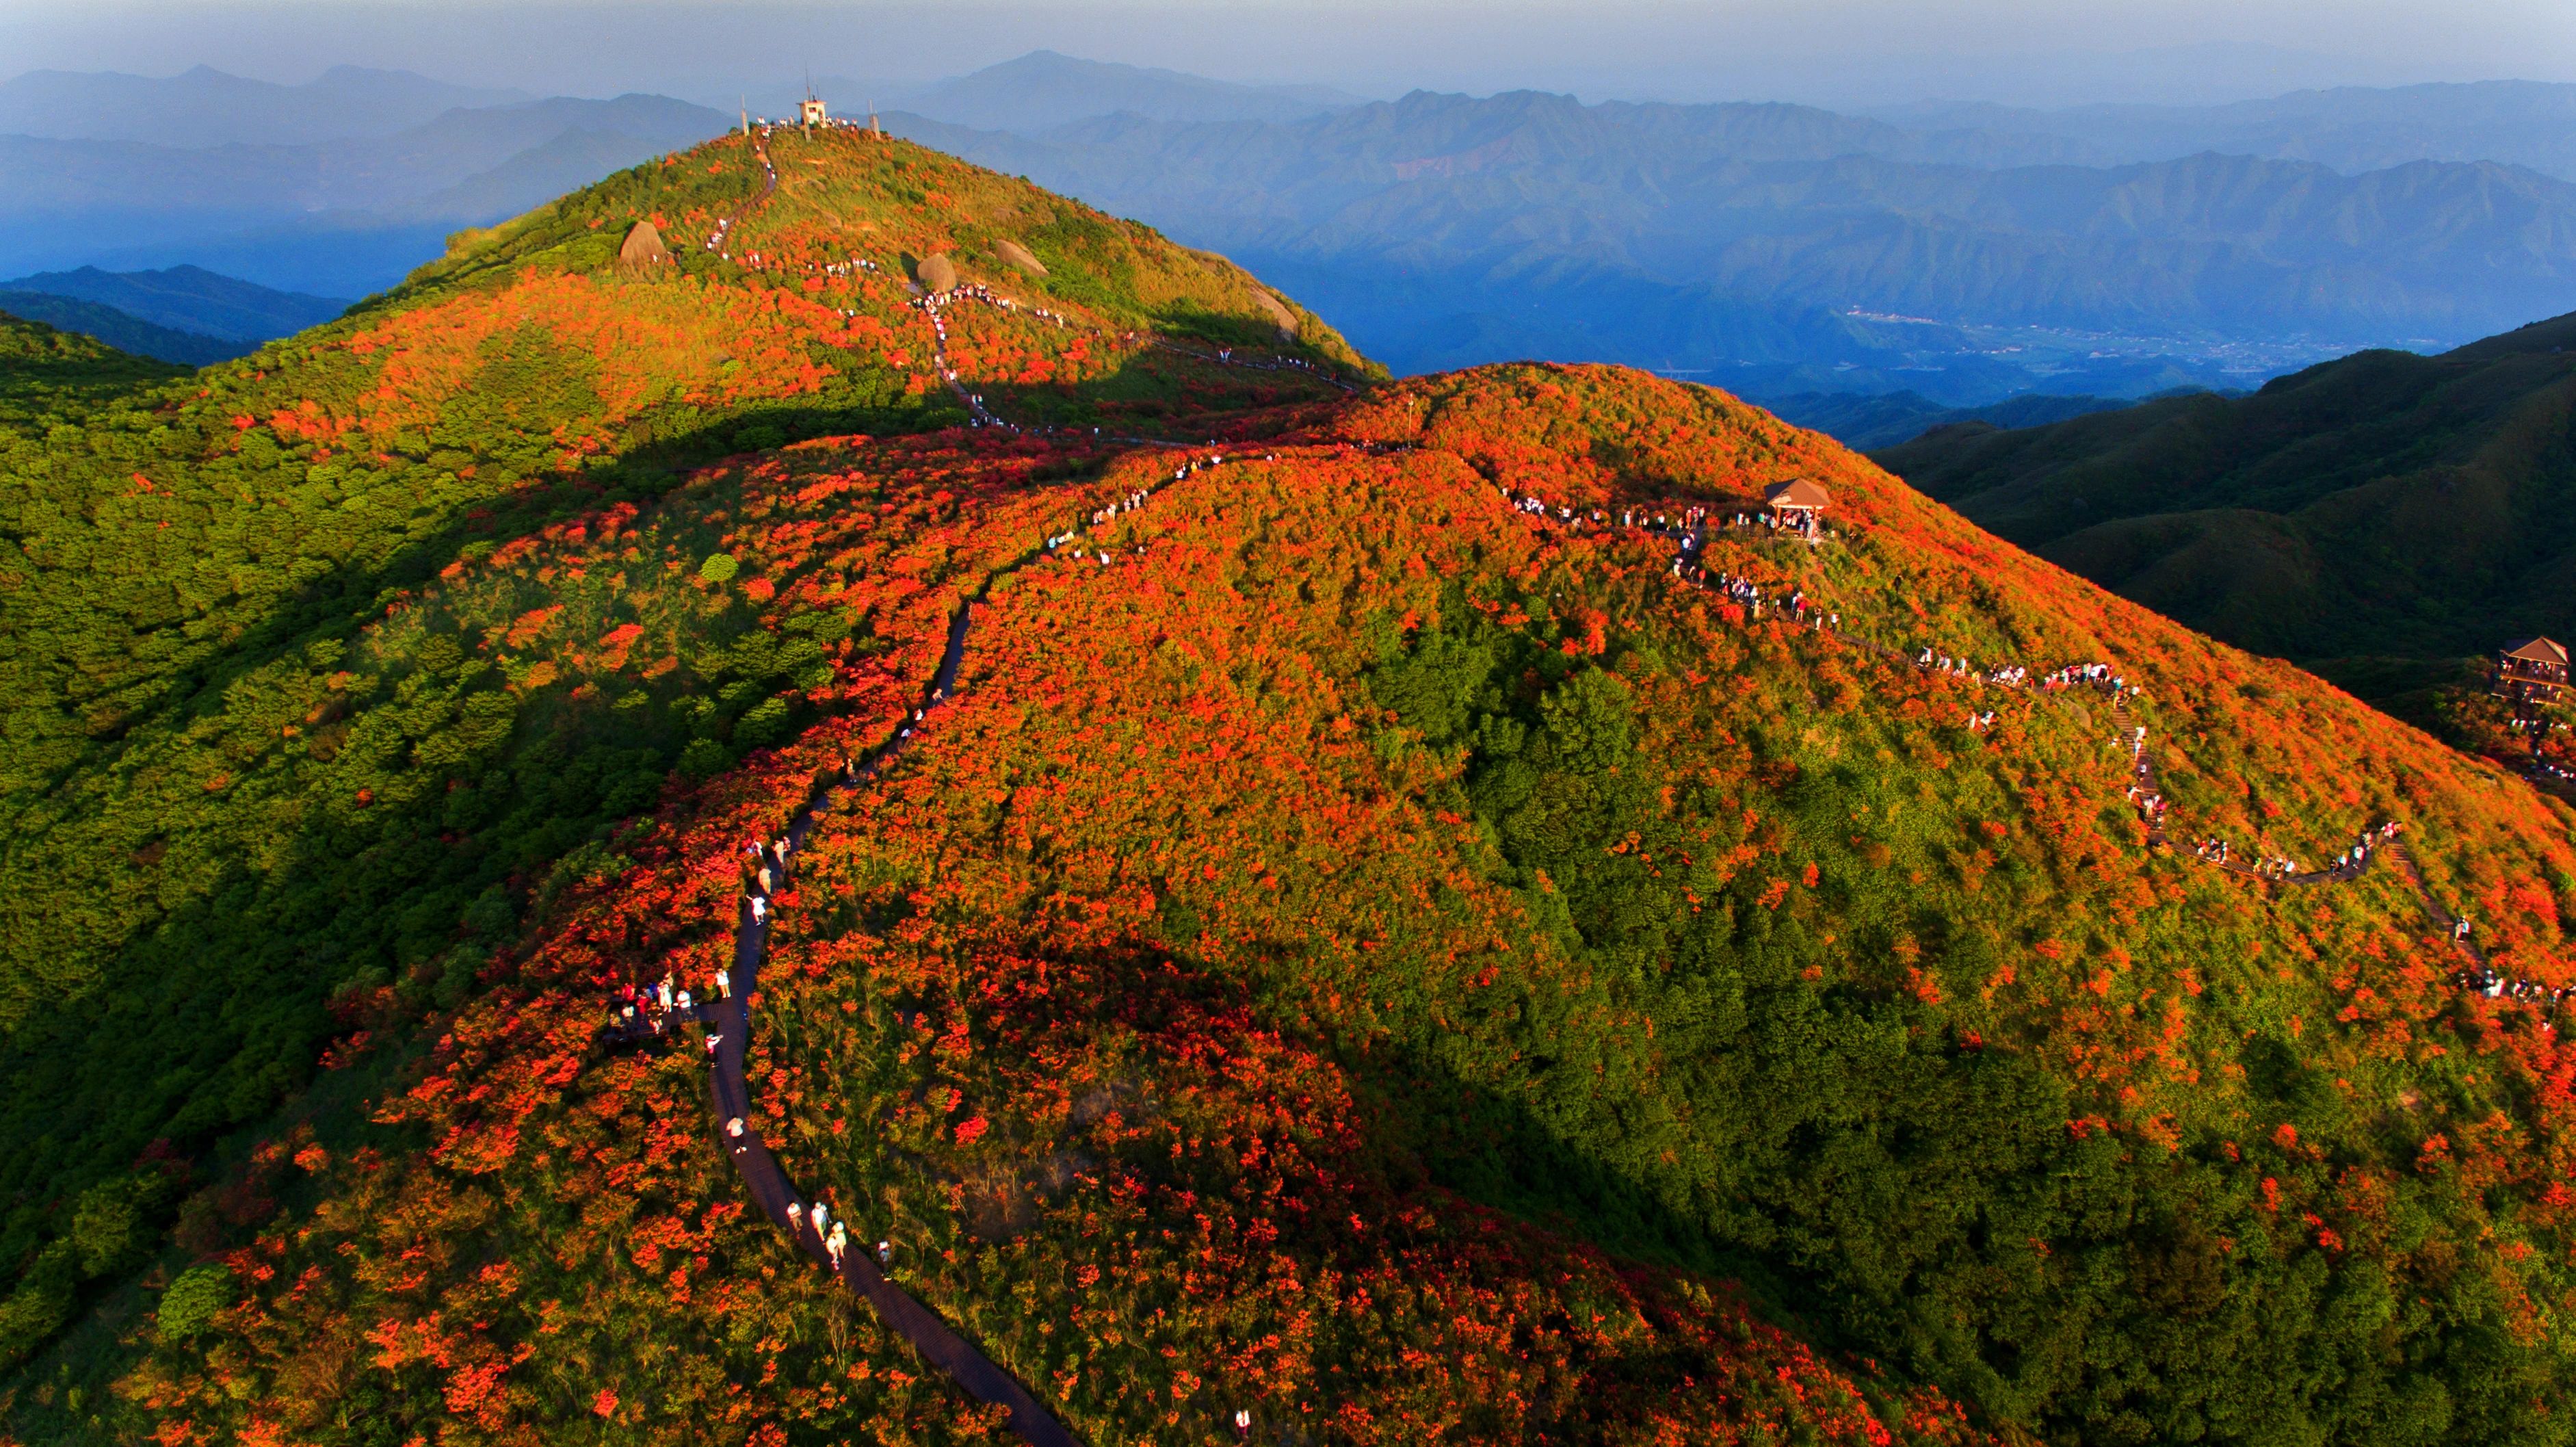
x,y
2495,986
716,235
2352,863
651,1015
1067,544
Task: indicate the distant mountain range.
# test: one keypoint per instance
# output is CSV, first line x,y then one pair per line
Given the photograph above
x,y
186,314
2375,519
2349,129
1862,420
205,108
1043,89
190,298
1771,247
118,329
1964,254
313,188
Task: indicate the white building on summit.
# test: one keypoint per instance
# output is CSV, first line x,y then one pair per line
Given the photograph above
x,y
811,112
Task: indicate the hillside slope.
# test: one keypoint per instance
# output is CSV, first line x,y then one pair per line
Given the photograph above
x,y
1364,949
240,792
2384,506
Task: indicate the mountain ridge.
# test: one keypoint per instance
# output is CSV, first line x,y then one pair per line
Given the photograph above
x,y
204,107
130,202
191,299
1883,263
2385,505
119,329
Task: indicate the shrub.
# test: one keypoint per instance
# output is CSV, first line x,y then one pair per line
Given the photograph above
x,y
704,758
189,1306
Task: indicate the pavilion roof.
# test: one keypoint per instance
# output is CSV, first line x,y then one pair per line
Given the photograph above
x,y
1798,492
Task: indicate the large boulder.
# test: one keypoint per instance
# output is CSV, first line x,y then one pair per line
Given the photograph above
x,y
936,274
1279,314
1020,256
643,247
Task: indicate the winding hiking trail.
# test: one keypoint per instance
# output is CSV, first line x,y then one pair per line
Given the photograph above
x,y
936,303
917,1324
730,1020
715,241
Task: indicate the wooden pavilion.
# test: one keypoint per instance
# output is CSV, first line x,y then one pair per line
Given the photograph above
x,y
1799,504
1798,499
2531,673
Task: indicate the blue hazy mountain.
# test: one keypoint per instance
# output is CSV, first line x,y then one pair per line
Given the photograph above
x,y
1043,89
2351,129
118,329
340,214
1870,420
187,299
1966,254
1780,249
205,107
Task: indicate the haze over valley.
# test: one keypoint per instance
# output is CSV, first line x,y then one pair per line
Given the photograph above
x,y
1961,253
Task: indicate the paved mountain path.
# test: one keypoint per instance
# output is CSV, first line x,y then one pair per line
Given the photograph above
x,y
917,1324
730,1019
715,241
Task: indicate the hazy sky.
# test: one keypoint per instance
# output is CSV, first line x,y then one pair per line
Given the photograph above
x,y
1847,53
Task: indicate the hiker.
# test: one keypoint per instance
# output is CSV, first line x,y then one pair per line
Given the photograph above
x,y
724,985
885,1255
733,1130
836,1244
759,910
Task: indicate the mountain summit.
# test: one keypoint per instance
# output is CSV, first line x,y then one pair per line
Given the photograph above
x,y
1260,899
